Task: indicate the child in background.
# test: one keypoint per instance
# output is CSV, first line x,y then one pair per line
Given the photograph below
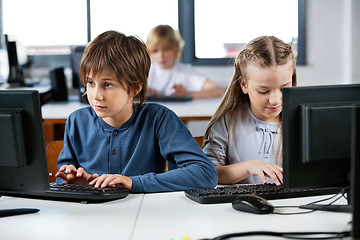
x,y
170,77
243,138
116,143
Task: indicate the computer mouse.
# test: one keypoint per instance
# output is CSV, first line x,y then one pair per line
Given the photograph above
x,y
252,204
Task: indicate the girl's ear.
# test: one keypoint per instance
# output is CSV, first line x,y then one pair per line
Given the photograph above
x,y
243,85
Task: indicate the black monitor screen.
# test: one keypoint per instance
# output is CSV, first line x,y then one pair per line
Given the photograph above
x,y
317,135
16,59
23,165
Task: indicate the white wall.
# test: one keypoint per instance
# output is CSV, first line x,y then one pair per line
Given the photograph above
x,y
332,27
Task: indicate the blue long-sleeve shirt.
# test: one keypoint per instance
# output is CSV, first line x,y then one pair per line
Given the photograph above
x,y
138,149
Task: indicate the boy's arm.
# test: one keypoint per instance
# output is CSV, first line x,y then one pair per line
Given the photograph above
x,y
177,145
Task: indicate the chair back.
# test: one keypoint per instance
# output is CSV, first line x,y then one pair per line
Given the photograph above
x,y
53,150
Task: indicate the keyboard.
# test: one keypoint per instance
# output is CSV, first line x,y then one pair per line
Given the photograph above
x,y
87,193
226,194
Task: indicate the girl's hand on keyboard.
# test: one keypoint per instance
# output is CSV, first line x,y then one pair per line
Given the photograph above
x,y
262,169
112,180
71,175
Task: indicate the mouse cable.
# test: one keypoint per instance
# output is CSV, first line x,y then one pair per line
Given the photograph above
x,y
289,235
312,210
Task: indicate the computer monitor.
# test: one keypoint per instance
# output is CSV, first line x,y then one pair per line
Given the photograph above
x,y
23,165
75,59
17,59
355,174
317,136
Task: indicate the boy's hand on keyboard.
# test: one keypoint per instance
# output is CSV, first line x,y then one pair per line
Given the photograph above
x,y
263,169
75,176
112,180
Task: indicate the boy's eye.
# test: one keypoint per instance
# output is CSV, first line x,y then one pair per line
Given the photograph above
x,y
90,83
108,85
263,92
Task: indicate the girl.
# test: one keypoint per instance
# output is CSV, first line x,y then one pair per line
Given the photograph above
x,y
243,138
116,143
170,77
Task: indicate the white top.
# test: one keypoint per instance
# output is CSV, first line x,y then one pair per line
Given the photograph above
x,y
163,80
250,139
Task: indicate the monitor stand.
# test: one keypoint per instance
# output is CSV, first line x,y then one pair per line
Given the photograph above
x,y
16,79
331,207
19,84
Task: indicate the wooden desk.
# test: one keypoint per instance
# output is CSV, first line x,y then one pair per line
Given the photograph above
x,y
162,216
55,113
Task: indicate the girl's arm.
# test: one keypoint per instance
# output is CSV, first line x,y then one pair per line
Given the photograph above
x,y
231,174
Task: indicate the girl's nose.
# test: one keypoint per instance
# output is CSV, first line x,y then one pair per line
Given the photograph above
x,y
275,98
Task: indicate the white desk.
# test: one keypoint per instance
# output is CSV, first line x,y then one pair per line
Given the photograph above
x,y
195,108
45,90
156,216
173,216
65,220
56,113
41,88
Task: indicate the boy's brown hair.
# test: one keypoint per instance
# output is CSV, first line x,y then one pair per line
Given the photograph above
x,y
126,56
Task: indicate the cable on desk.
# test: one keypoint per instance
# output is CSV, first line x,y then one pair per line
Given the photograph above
x,y
311,203
289,235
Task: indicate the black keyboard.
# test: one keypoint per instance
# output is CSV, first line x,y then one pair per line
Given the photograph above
x,y
226,194
87,193
82,188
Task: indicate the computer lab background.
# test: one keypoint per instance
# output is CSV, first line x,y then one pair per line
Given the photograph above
x,y
332,50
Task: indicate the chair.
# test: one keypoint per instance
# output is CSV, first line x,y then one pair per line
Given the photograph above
x,y
200,141
53,150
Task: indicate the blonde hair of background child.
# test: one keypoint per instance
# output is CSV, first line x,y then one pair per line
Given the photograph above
x,y
265,51
167,37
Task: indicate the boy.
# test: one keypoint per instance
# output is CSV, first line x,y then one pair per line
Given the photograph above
x,y
116,143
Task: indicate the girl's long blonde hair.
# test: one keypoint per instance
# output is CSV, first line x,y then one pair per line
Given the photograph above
x,y
265,51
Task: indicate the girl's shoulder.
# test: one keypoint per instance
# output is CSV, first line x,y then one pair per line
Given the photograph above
x,y
239,114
